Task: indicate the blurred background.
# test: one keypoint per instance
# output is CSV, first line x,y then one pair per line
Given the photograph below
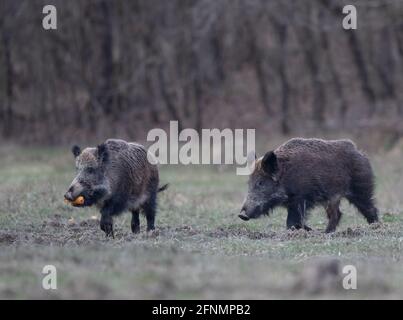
x,y
120,68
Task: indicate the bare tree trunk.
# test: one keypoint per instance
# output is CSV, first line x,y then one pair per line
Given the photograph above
x,y
285,92
198,104
218,58
172,109
8,119
104,93
398,36
150,94
149,81
257,58
197,89
282,35
310,50
385,64
343,108
186,99
358,58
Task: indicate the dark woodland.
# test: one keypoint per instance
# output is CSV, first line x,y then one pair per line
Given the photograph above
x,y
120,68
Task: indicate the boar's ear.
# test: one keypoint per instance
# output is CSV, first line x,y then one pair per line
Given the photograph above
x,y
251,159
102,153
76,150
269,163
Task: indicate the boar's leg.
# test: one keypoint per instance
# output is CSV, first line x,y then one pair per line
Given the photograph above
x,y
106,225
334,214
366,207
135,221
361,193
106,222
149,211
112,207
296,215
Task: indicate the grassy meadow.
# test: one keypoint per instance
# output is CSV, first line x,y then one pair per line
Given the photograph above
x,y
200,249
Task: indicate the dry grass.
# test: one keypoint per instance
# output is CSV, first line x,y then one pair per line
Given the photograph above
x,y
200,249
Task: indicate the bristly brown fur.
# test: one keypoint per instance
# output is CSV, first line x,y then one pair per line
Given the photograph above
x,y
117,176
302,173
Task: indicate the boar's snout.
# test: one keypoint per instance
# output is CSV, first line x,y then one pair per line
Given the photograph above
x,y
243,215
251,210
76,189
69,195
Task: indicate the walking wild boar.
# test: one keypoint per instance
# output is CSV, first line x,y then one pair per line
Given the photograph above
x,y
116,176
303,173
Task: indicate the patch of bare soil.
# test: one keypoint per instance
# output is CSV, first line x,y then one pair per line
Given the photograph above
x,y
7,237
60,231
379,229
56,230
297,234
184,230
239,232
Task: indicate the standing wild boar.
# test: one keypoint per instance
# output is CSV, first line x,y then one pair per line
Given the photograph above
x,y
116,176
302,173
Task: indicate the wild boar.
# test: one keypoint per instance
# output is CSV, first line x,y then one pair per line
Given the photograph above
x,y
303,173
116,176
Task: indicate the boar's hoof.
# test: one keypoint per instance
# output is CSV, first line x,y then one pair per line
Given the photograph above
x,y
135,228
152,233
306,228
110,234
107,227
243,216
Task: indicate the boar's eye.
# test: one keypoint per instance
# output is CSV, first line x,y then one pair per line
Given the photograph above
x,y
91,170
259,183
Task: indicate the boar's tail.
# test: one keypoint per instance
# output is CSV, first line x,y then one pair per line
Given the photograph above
x,y
164,187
